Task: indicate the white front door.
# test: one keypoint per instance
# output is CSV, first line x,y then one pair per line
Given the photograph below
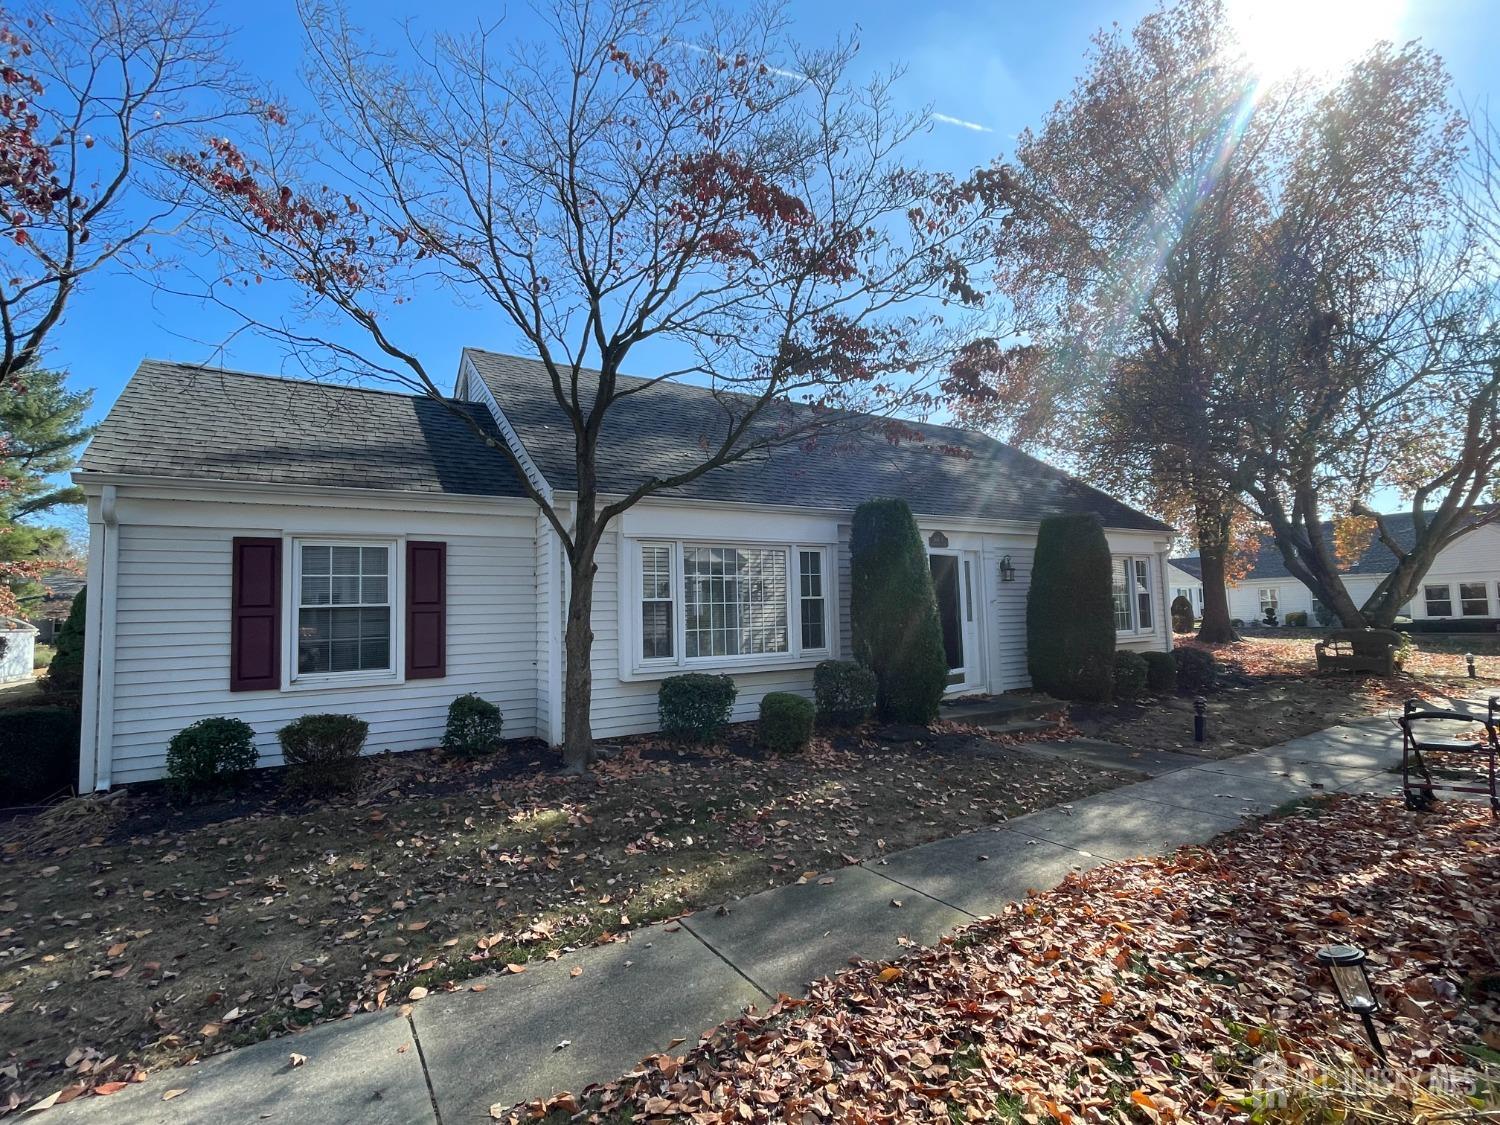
x,y
955,578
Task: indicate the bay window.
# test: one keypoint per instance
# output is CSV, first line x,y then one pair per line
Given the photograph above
x,y
1131,589
707,603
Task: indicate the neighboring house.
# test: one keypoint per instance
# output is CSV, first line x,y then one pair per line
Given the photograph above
x,y
51,609
1464,582
265,548
1185,584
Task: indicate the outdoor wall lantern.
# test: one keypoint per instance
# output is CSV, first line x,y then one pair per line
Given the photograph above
x,y
1007,570
1351,980
1469,660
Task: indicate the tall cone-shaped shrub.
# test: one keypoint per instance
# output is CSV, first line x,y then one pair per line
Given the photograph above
x,y
1070,612
893,612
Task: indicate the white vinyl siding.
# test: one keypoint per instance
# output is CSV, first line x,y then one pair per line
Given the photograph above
x,y
172,627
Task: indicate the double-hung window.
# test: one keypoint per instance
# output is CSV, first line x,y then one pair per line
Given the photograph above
x,y
1134,611
1270,598
1474,599
1439,600
705,603
344,620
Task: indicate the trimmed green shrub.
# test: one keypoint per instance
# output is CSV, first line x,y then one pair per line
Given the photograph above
x,y
474,726
1161,671
786,722
845,692
1130,674
210,753
322,752
1197,671
893,612
1323,615
65,673
1296,619
38,753
1182,615
1070,610
695,707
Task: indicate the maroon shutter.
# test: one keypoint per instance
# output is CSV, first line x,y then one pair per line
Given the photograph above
x,y
426,610
255,616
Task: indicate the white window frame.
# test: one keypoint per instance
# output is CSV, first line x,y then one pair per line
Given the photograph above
x,y
1447,597
291,604
1261,601
1132,564
635,666
1463,610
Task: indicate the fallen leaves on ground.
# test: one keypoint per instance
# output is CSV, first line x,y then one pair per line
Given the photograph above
x,y
150,935
1147,989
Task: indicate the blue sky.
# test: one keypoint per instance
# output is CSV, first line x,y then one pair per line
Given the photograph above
x,y
997,65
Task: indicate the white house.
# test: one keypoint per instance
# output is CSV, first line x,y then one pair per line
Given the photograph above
x,y
1183,583
266,548
1463,584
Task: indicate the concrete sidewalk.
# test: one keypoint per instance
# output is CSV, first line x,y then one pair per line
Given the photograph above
x,y
533,1034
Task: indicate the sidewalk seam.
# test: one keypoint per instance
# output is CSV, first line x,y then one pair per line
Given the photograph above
x,y
708,945
437,1114
918,890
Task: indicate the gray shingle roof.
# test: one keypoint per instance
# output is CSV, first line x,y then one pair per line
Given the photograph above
x,y
1376,558
663,429
176,420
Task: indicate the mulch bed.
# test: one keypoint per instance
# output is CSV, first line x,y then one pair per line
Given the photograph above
x,y
136,933
1153,991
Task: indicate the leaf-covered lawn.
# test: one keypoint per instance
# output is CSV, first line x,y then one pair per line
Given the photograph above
x,y
134,935
1143,991
1270,693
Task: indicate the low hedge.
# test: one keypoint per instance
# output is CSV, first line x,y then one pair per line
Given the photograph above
x,y
1451,625
1129,675
845,692
210,753
1197,671
1161,671
695,707
474,726
322,752
786,722
38,753
1296,619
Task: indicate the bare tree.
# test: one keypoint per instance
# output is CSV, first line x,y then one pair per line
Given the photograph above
x,y
86,92
651,172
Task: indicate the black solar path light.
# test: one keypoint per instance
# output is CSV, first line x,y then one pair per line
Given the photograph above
x,y
1351,980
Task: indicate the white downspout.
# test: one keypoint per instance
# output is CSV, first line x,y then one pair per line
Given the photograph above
x,y
94,757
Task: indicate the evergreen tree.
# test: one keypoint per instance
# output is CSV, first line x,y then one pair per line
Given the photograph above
x,y
1070,614
893,612
41,428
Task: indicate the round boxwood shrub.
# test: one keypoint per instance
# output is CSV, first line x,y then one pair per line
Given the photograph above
x,y
786,722
695,707
210,753
893,612
322,752
1070,610
1197,671
474,726
1130,675
65,673
1297,619
845,692
38,753
1161,671
1182,615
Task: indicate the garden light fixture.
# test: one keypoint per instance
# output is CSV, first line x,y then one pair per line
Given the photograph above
x,y
1469,660
1351,980
1200,719
1007,570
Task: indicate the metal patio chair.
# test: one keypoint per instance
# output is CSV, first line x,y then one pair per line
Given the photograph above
x,y
1417,783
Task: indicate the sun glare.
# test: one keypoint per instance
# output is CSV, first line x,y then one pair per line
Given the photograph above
x,y
1282,36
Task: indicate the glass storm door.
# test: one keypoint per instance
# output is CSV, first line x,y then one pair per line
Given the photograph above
x,y
953,575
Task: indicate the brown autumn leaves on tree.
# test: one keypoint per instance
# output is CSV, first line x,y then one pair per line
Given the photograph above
x,y
648,174
1249,304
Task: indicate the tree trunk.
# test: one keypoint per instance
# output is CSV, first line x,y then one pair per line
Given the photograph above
x,y
1213,550
578,677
